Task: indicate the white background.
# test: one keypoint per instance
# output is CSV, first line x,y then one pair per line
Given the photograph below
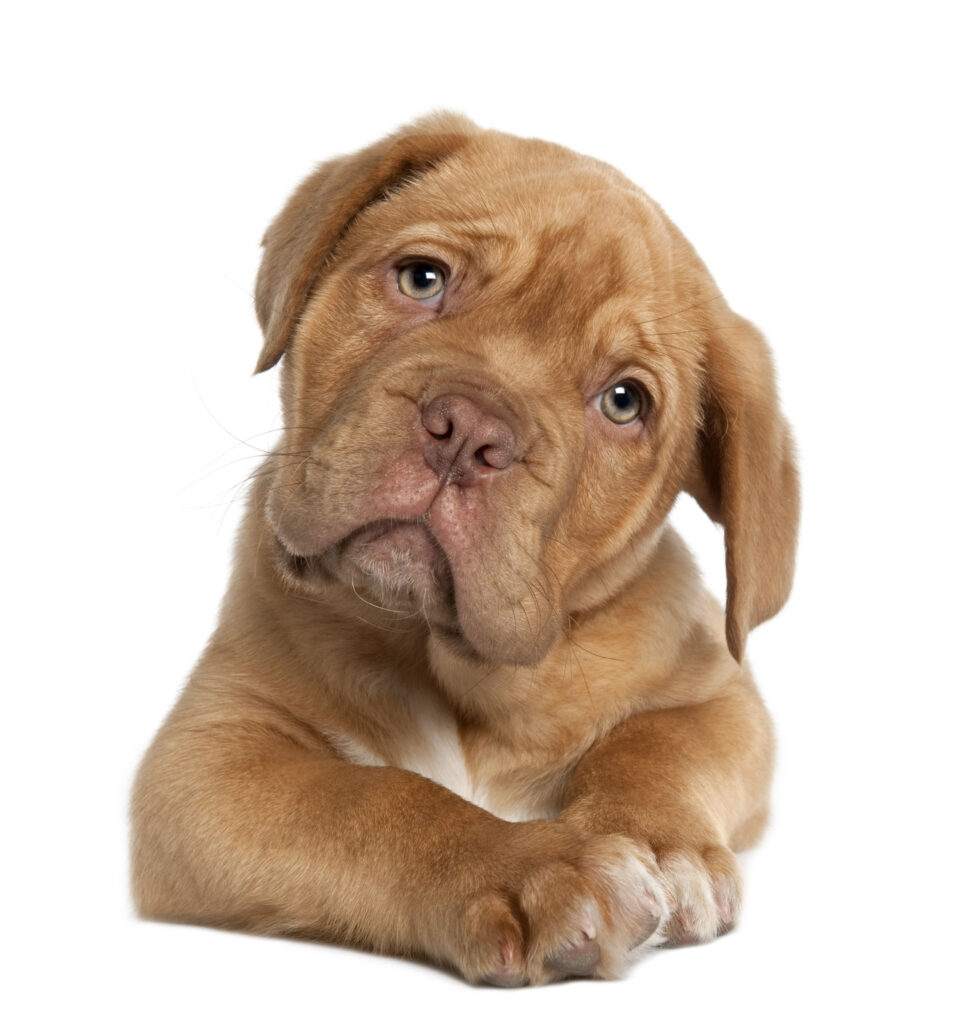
x,y
815,155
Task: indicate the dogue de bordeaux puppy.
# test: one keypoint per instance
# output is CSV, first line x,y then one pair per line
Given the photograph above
x,y
468,699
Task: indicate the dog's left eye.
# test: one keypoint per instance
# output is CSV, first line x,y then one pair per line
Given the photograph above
x,y
421,280
622,403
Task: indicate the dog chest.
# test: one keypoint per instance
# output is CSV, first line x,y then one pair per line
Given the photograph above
x,y
425,739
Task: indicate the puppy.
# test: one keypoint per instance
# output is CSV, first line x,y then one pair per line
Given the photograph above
x,y
467,699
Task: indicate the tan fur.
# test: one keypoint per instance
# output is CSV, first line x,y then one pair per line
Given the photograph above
x,y
521,638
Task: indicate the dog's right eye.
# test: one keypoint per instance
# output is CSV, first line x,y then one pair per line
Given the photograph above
x,y
421,280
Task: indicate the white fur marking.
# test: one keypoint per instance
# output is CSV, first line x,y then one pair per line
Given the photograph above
x,y
436,752
351,750
431,748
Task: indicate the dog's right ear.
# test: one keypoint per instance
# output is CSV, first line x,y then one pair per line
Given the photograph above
x,y
298,243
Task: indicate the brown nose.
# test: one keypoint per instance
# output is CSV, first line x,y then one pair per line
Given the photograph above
x,y
465,443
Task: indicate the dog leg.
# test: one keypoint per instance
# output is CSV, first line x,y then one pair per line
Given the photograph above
x,y
687,784
243,819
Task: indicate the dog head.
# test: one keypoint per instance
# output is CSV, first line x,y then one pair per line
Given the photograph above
x,y
502,363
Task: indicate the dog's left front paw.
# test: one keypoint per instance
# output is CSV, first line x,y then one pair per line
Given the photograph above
x,y
702,887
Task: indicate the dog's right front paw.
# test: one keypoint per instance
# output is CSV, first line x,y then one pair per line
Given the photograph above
x,y
579,912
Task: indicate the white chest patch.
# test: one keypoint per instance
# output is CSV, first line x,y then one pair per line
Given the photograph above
x,y
431,747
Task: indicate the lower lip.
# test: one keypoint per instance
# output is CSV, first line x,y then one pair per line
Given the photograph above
x,y
394,535
399,547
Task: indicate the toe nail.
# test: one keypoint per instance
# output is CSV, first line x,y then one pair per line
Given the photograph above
x,y
649,927
578,959
502,979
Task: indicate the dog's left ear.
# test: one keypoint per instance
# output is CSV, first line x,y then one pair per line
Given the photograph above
x,y
298,243
745,477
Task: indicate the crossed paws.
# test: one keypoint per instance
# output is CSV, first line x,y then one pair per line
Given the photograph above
x,y
589,910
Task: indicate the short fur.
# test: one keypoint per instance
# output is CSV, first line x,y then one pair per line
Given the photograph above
x,y
467,699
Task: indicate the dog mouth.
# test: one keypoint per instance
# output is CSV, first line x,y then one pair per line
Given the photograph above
x,y
394,564
443,565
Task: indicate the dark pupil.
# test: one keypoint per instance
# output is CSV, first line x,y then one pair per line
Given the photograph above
x,y
624,398
423,277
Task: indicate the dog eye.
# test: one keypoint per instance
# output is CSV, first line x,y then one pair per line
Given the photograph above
x,y
623,403
421,281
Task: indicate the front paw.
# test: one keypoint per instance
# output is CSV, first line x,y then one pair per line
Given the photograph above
x,y
702,888
578,907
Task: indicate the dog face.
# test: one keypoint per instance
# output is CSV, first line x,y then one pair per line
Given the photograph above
x,y
502,365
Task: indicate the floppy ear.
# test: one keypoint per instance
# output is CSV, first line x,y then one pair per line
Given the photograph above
x,y
298,243
745,477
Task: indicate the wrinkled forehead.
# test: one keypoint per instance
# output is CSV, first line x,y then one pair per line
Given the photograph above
x,y
555,239
552,208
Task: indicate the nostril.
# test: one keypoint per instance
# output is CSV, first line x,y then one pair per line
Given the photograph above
x,y
497,455
438,421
